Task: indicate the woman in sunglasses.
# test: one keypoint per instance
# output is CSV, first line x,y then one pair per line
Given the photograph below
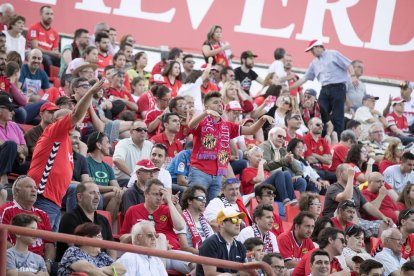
x,y
86,258
354,236
358,158
392,155
406,197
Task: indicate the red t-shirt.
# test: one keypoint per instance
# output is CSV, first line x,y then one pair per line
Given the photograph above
x,y
162,220
294,92
151,116
288,138
158,68
320,147
277,227
5,84
290,249
210,166
339,156
338,225
385,164
303,267
121,94
407,249
401,206
172,149
10,209
388,206
146,101
53,155
53,93
210,87
251,142
183,134
400,122
103,61
248,174
174,87
48,39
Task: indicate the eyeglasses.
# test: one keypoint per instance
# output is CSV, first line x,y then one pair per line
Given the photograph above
x,y
234,220
188,61
150,235
87,71
97,136
287,103
141,129
86,86
200,198
281,136
348,203
396,239
232,180
9,108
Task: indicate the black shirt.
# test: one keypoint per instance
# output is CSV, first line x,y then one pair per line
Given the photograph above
x,y
245,79
216,247
80,166
77,217
131,197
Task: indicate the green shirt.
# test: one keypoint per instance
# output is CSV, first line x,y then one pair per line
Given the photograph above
x,y
101,173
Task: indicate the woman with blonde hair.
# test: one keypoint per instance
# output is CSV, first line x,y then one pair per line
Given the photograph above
x,y
213,47
392,155
232,92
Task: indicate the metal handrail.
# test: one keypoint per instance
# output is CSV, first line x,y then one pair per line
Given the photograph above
x,y
72,239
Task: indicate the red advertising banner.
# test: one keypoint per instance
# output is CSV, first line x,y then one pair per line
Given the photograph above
x,y
379,32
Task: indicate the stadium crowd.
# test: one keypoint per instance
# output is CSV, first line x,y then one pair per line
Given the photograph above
x,y
192,160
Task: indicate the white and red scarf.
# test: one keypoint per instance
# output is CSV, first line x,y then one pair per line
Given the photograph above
x,y
248,220
268,246
215,138
195,235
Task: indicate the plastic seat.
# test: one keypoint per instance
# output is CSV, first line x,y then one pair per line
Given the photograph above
x,y
291,212
108,160
253,204
287,226
375,242
107,215
25,127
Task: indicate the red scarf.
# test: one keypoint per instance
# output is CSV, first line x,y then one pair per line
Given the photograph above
x,y
215,138
195,236
316,113
248,220
268,246
220,58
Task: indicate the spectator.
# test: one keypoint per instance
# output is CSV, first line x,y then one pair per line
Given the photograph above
x,y
211,136
175,54
172,77
397,122
406,197
119,62
254,250
332,241
263,223
277,65
367,115
320,224
256,175
397,176
276,263
214,47
293,123
355,126
85,70
32,78
129,151
355,94
226,74
230,197
318,152
158,156
24,196
102,43
406,228
101,27
74,50
140,61
145,170
407,268
15,41
345,190
392,155
354,246
345,215
19,259
378,194
117,89
137,88
244,74
4,49
53,93
6,13
154,117
292,77
42,36
197,227
54,148
179,106
331,68
210,84
89,56
283,105
112,35
10,87
180,166
128,50
87,195
357,157
340,150
127,38
231,92
390,256
310,202
246,142
376,144
294,244
12,145
86,258
217,246
143,234
371,267
264,194
188,66
320,263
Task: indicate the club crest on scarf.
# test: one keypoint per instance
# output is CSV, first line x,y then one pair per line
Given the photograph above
x,y
223,157
209,141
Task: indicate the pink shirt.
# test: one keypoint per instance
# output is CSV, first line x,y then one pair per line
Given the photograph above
x,y
12,132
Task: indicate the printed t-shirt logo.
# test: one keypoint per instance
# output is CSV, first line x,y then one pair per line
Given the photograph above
x,y
51,37
181,167
163,218
320,148
304,250
276,226
209,141
407,249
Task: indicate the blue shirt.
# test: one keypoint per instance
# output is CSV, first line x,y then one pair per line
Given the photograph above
x,y
33,81
329,68
180,164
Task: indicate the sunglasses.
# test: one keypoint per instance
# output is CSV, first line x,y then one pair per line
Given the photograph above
x,y
348,203
9,108
286,102
141,129
406,213
295,117
191,62
232,180
281,136
234,220
200,198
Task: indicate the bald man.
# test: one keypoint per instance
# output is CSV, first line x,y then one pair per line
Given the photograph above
x,y
32,78
381,196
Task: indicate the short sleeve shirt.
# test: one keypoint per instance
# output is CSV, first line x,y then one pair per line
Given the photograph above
x,y
180,165
80,166
399,121
33,82
388,206
24,262
331,204
146,102
101,173
320,147
397,180
290,249
339,155
245,79
48,39
248,175
12,132
172,149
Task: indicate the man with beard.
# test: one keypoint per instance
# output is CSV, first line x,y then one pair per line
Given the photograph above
x,y
102,42
42,36
211,135
32,78
74,50
188,65
244,74
345,215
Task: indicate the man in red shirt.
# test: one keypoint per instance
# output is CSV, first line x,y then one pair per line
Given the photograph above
x,y
331,240
102,42
340,150
146,102
294,244
171,124
175,54
41,35
211,135
52,162
406,226
117,89
397,122
318,152
345,215
377,194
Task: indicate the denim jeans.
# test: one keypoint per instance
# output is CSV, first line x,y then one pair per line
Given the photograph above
x,y
282,181
332,99
212,183
71,201
52,210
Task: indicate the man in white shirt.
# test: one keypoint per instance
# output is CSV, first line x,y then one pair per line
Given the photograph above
x,y
143,234
397,176
263,223
390,256
129,151
367,115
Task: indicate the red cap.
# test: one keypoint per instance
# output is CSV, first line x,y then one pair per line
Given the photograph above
x,y
146,164
233,105
397,100
49,107
313,43
157,78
